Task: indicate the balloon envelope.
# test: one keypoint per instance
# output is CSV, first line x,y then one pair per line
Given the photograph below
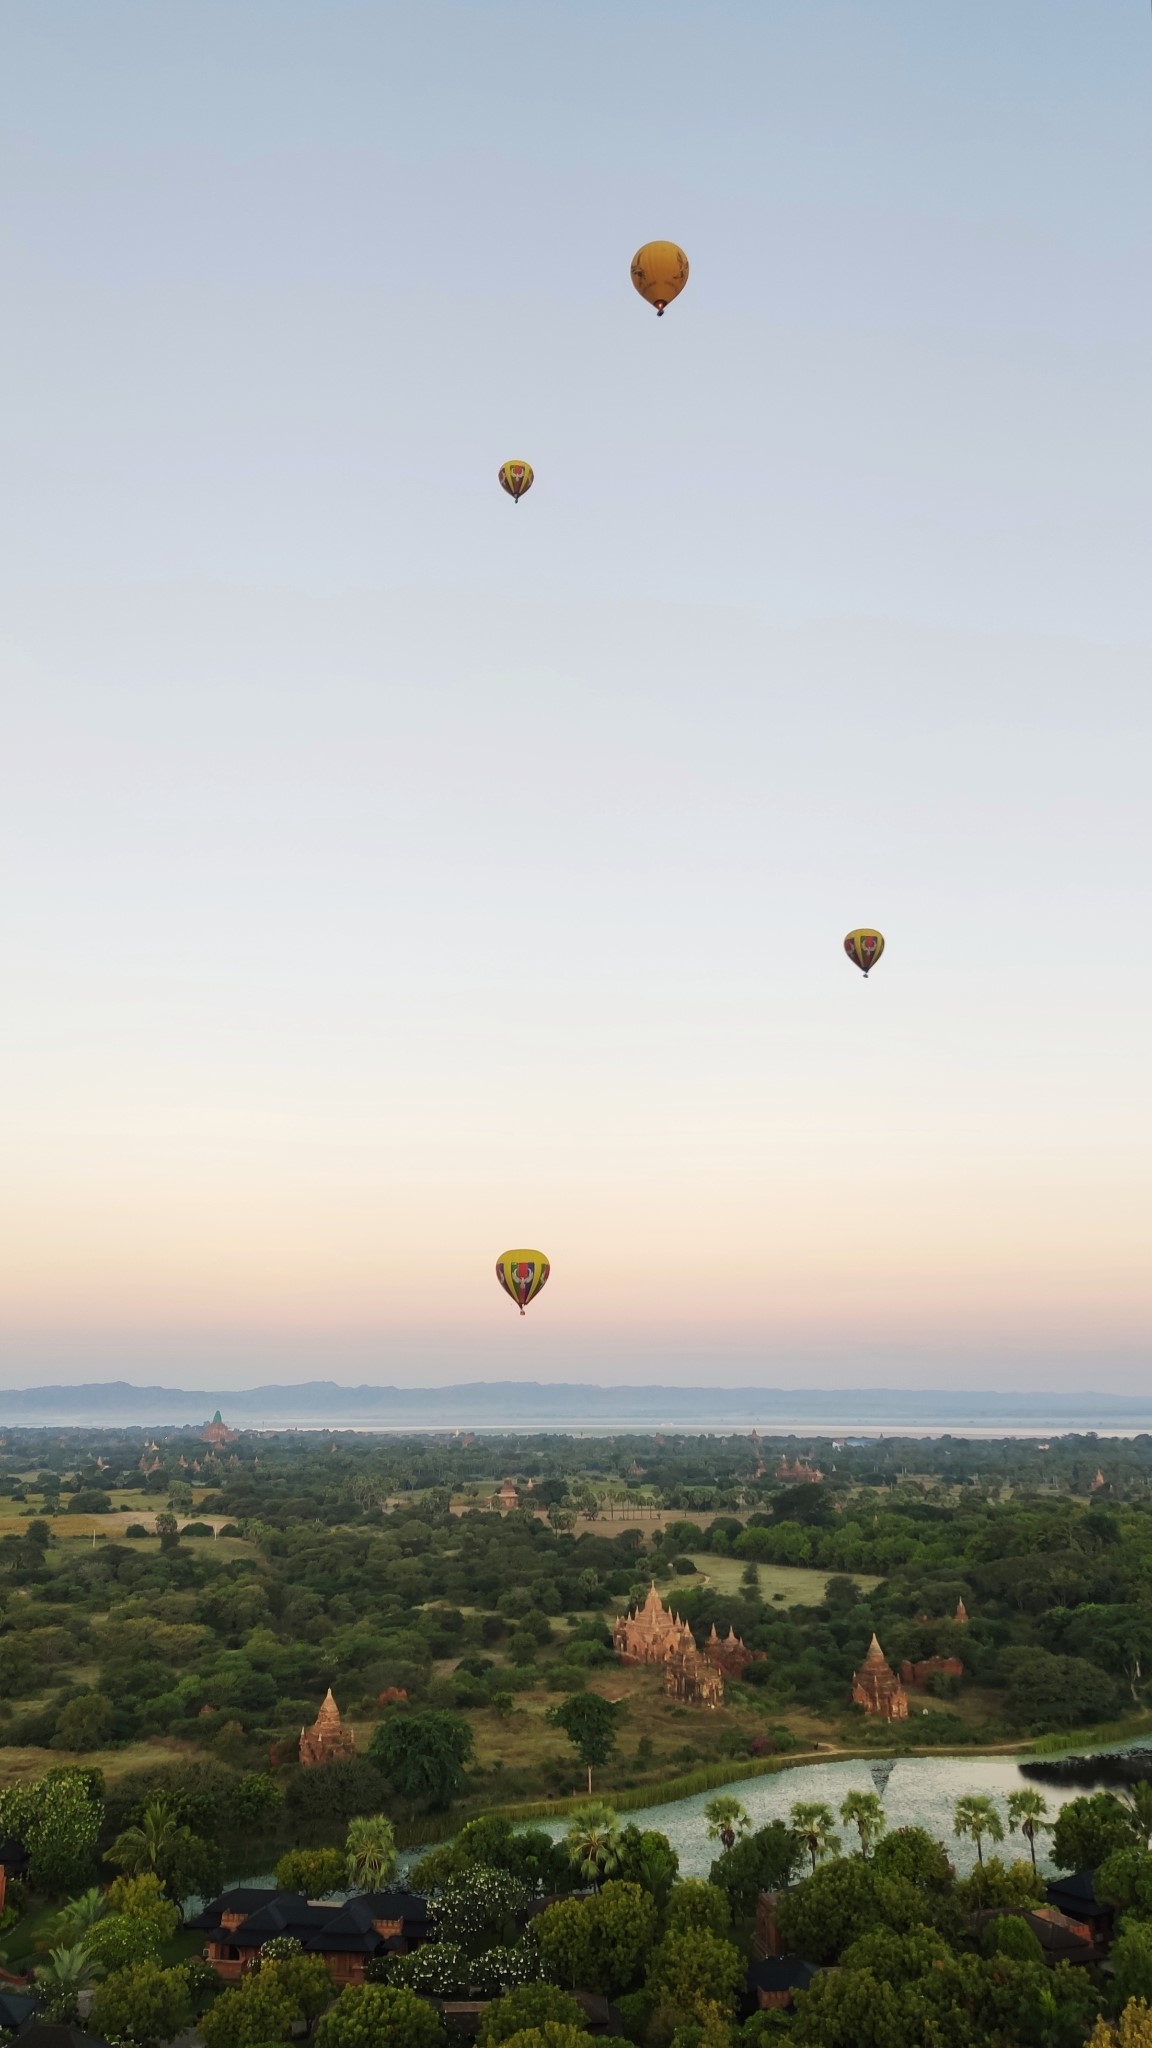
x,y
516,478
864,948
660,273
522,1275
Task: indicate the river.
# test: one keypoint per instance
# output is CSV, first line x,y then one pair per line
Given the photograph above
x,y
917,1791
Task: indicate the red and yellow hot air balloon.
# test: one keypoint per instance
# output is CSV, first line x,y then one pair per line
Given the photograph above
x,y
522,1275
660,273
864,948
516,478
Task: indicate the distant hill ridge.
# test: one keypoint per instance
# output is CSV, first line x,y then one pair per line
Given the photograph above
x,y
513,1404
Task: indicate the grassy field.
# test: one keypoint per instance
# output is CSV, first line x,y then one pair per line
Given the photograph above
x,y
115,1763
785,1584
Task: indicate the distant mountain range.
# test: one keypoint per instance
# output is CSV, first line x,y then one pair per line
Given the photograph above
x,y
514,1405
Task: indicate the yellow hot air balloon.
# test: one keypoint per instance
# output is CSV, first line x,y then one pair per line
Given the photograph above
x,y
522,1275
864,949
659,273
516,478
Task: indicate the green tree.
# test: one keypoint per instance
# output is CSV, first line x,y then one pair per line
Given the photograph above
x,y
976,1816
315,1872
1010,1936
815,1825
593,1842
1027,1810
78,1916
379,2016
864,1812
1136,1801
60,1980
370,1851
118,1940
1087,1830
589,1721
478,1908
553,2034
1133,2029
896,1958
261,2008
85,1723
255,1799
530,2005
1131,1960
599,1943
143,1898
851,2009
763,1862
694,1970
646,1857
1124,1880
144,1846
726,1818
998,1884
424,1755
840,1902
57,1818
919,1859
143,2005
694,1903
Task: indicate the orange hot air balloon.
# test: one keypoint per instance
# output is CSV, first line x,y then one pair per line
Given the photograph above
x,y
516,478
864,949
522,1275
660,273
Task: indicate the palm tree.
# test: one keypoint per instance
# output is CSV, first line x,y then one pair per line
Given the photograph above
x,y
75,1918
593,1842
145,1846
976,1815
370,1849
67,1972
815,1824
1027,1811
864,1812
1137,1803
726,1819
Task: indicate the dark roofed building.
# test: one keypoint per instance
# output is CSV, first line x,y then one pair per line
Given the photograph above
x,y
1075,1897
773,1982
347,1933
15,2008
56,2034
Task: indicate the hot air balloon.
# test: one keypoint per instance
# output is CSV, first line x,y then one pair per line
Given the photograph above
x,y
522,1275
864,949
659,273
516,478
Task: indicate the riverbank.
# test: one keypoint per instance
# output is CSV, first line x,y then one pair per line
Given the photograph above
x,y
711,1777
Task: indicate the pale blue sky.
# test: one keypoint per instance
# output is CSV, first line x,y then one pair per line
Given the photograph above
x,y
392,875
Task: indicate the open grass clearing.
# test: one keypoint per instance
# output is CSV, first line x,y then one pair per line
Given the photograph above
x,y
797,1585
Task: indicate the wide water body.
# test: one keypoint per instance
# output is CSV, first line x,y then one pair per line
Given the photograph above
x,y
919,1791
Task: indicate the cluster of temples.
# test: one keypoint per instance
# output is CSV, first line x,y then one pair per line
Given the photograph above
x,y
652,1634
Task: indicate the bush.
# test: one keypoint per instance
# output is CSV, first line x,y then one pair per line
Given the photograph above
x,y
135,1529
379,2016
684,1566
1011,1936
315,1872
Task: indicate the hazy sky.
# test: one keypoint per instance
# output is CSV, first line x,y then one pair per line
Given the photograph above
x,y
391,875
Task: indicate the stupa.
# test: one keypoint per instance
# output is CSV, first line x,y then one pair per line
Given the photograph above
x,y
876,1688
327,1739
